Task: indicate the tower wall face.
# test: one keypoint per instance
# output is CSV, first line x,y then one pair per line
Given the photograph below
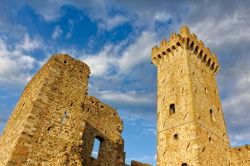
x,y
194,133
175,145
212,135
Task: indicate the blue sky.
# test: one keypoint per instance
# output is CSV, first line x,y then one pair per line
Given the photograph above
x,y
115,39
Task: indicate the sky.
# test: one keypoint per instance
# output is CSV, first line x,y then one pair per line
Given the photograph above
x,y
115,39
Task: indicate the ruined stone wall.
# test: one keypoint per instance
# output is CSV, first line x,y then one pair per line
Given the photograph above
x,y
136,163
20,122
195,134
55,122
240,156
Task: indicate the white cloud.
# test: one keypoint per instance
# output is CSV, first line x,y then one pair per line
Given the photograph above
x,y
50,10
130,98
15,65
57,32
228,30
236,104
102,61
29,44
138,52
112,22
162,16
123,59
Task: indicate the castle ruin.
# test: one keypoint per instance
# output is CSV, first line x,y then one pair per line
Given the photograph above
x,y
55,122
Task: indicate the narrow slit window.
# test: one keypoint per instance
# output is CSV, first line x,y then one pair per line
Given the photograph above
x,y
211,115
96,148
172,109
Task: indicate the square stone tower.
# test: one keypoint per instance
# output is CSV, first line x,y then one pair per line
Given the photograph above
x,y
191,128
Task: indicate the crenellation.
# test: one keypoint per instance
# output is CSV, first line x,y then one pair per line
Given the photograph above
x,y
189,41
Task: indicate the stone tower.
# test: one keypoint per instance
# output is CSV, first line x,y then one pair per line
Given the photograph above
x,y
191,127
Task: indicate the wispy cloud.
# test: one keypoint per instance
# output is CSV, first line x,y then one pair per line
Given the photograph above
x,y
112,22
101,62
130,98
29,44
57,32
123,59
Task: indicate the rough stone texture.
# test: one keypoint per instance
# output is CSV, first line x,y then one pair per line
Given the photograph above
x,y
136,163
191,127
240,156
55,122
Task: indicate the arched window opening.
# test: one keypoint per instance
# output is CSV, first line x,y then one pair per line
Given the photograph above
x,y
172,109
184,164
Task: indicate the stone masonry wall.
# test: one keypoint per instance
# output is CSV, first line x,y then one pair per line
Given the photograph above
x,y
240,156
55,122
173,139
191,126
136,163
212,134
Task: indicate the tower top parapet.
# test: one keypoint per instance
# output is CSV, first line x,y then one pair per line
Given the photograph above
x,y
187,41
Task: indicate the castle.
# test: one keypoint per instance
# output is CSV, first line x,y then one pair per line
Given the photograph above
x,y
56,123
190,123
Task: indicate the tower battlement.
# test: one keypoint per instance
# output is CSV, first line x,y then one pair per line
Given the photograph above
x,y
187,41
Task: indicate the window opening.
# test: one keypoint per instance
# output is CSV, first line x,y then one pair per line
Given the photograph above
x,y
211,116
96,148
172,109
176,137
